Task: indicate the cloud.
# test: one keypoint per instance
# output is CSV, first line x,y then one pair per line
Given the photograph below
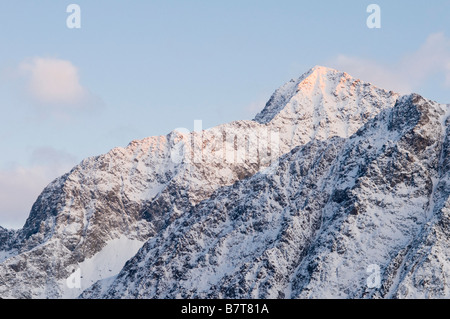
x,y
21,185
432,57
52,81
374,72
410,72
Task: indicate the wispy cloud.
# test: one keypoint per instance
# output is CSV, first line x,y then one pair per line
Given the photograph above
x,y
53,86
410,72
21,185
374,72
52,80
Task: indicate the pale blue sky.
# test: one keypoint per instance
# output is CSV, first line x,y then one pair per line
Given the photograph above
x,y
147,67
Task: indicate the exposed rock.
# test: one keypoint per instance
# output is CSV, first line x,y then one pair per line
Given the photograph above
x,y
332,176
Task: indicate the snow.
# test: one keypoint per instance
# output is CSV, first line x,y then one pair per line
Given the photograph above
x,y
243,243
220,224
105,264
6,254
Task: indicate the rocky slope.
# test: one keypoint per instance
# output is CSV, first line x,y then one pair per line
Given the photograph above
x,y
281,206
311,226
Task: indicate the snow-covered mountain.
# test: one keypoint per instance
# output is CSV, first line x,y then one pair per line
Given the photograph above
x,y
332,176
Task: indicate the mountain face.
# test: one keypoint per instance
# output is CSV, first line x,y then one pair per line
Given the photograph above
x,y
332,177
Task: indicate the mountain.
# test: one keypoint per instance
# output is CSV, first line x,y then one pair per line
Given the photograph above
x,y
333,175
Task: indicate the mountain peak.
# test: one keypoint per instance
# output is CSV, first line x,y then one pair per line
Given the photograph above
x,y
321,70
318,87
305,82
349,163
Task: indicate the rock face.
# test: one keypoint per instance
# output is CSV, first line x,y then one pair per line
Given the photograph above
x,y
332,176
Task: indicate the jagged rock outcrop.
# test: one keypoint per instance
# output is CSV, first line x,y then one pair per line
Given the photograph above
x,y
333,174
311,227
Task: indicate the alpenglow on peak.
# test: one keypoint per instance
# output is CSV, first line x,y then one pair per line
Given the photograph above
x,y
360,177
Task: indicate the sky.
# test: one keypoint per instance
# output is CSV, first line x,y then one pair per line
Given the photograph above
x,y
142,68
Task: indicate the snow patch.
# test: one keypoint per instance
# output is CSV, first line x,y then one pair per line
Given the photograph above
x,y
106,263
